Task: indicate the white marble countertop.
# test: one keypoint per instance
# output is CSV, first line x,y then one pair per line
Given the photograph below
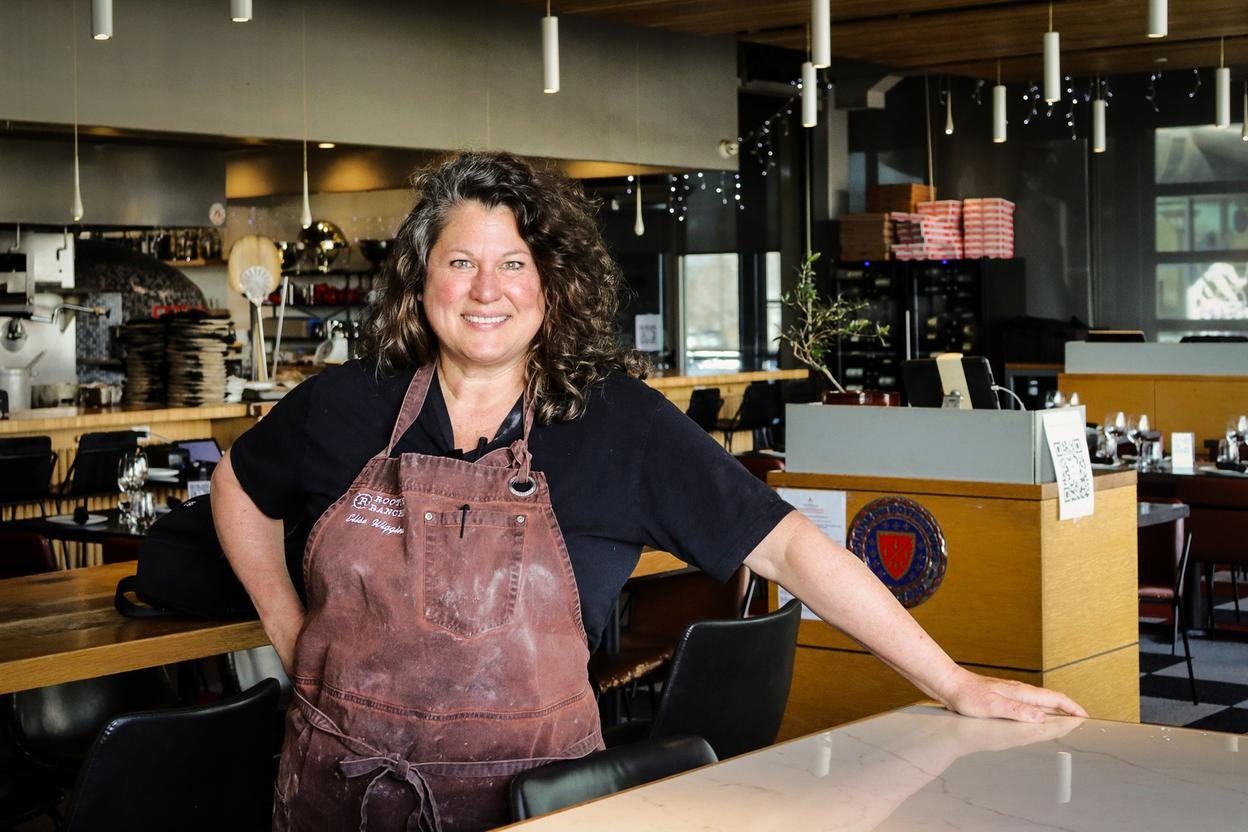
x,y
923,768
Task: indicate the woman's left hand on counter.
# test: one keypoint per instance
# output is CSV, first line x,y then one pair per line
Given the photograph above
x,y
971,694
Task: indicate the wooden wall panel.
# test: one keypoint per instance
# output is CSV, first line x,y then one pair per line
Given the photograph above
x,y
1089,579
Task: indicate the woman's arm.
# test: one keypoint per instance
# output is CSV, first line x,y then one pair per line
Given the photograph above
x,y
253,544
843,592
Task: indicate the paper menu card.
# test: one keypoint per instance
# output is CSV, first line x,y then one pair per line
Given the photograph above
x,y
1183,452
826,509
1065,436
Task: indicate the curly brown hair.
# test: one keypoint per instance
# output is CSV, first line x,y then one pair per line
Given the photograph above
x,y
578,342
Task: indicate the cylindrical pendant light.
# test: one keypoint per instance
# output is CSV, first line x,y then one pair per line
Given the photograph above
x,y
639,227
821,33
76,211
550,53
998,109
998,113
101,19
810,96
1158,18
305,217
1052,63
1222,90
1098,125
240,11
1243,132
949,112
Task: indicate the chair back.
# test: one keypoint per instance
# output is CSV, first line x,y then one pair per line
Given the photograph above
x,y
119,549
55,725
760,464
26,464
762,406
202,768
25,553
548,788
704,406
729,681
1159,549
94,469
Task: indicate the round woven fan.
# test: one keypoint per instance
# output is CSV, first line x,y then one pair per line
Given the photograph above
x,y
255,268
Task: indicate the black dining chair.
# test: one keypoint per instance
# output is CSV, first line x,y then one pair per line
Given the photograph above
x,y
207,767
555,786
761,411
26,466
729,684
25,553
94,469
704,406
1163,556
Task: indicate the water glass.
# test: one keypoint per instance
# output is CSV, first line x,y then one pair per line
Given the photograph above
x,y
1150,455
140,509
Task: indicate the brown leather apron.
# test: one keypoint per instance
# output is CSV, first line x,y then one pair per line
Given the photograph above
x,y
443,650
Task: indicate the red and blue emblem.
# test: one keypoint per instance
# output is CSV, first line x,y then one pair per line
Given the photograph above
x,y
903,545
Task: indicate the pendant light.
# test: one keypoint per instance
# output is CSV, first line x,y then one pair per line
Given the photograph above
x,y
810,100
101,19
305,218
1222,89
1098,121
240,11
639,227
821,33
948,108
998,109
1243,132
76,211
550,52
1052,63
1158,18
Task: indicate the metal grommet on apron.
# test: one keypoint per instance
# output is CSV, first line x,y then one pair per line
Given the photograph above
x,y
443,649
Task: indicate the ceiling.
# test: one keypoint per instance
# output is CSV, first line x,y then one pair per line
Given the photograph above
x,y
961,37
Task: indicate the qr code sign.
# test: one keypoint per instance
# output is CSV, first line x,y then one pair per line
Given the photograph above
x,y
1072,472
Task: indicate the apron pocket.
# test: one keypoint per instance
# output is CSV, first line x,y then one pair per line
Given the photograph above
x,y
472,569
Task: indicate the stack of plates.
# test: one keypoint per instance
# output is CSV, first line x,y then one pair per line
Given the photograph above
x,y
144,342
197,351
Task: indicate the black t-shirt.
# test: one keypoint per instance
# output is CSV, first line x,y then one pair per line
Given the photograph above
x,y
631,471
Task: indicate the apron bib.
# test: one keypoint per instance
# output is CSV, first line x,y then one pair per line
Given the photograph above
x,y
443,649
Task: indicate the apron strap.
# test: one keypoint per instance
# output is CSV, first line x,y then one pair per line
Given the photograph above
x,y
413,401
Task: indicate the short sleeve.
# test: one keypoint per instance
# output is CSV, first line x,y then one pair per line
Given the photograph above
x,y
698,502
266,458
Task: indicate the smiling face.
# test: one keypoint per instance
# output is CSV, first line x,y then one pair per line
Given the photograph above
x,y
483,294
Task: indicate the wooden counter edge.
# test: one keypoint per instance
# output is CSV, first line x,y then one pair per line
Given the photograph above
x,y
667,382
954,488
123,418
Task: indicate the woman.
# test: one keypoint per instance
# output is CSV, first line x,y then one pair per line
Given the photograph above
x,y
482,486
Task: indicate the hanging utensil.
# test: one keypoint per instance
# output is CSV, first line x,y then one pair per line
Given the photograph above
x,y
254,267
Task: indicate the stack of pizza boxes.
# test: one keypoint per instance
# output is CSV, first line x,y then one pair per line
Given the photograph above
x,y
932,232
988,228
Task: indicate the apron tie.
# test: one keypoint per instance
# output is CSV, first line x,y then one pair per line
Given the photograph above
x,y
422,819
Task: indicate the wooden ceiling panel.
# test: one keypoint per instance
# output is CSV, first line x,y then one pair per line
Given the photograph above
x,y
957,36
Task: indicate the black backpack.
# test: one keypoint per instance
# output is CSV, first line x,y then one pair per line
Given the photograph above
x,y
182,570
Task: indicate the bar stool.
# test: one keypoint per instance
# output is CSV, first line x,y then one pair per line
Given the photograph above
x,y
761,410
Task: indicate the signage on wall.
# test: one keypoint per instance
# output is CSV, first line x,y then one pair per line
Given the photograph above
x,y
901,542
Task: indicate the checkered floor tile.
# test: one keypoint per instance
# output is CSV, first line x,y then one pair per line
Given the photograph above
x,y
1221,669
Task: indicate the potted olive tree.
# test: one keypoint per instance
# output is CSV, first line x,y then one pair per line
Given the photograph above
x,y
820,322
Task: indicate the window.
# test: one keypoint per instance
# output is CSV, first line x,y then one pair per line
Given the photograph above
x,y
711,303
773,308
1200,229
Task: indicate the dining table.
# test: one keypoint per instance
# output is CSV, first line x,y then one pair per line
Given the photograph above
x,y
922,767
62,626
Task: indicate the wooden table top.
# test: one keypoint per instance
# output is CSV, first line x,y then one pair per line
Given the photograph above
x,y
62,626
